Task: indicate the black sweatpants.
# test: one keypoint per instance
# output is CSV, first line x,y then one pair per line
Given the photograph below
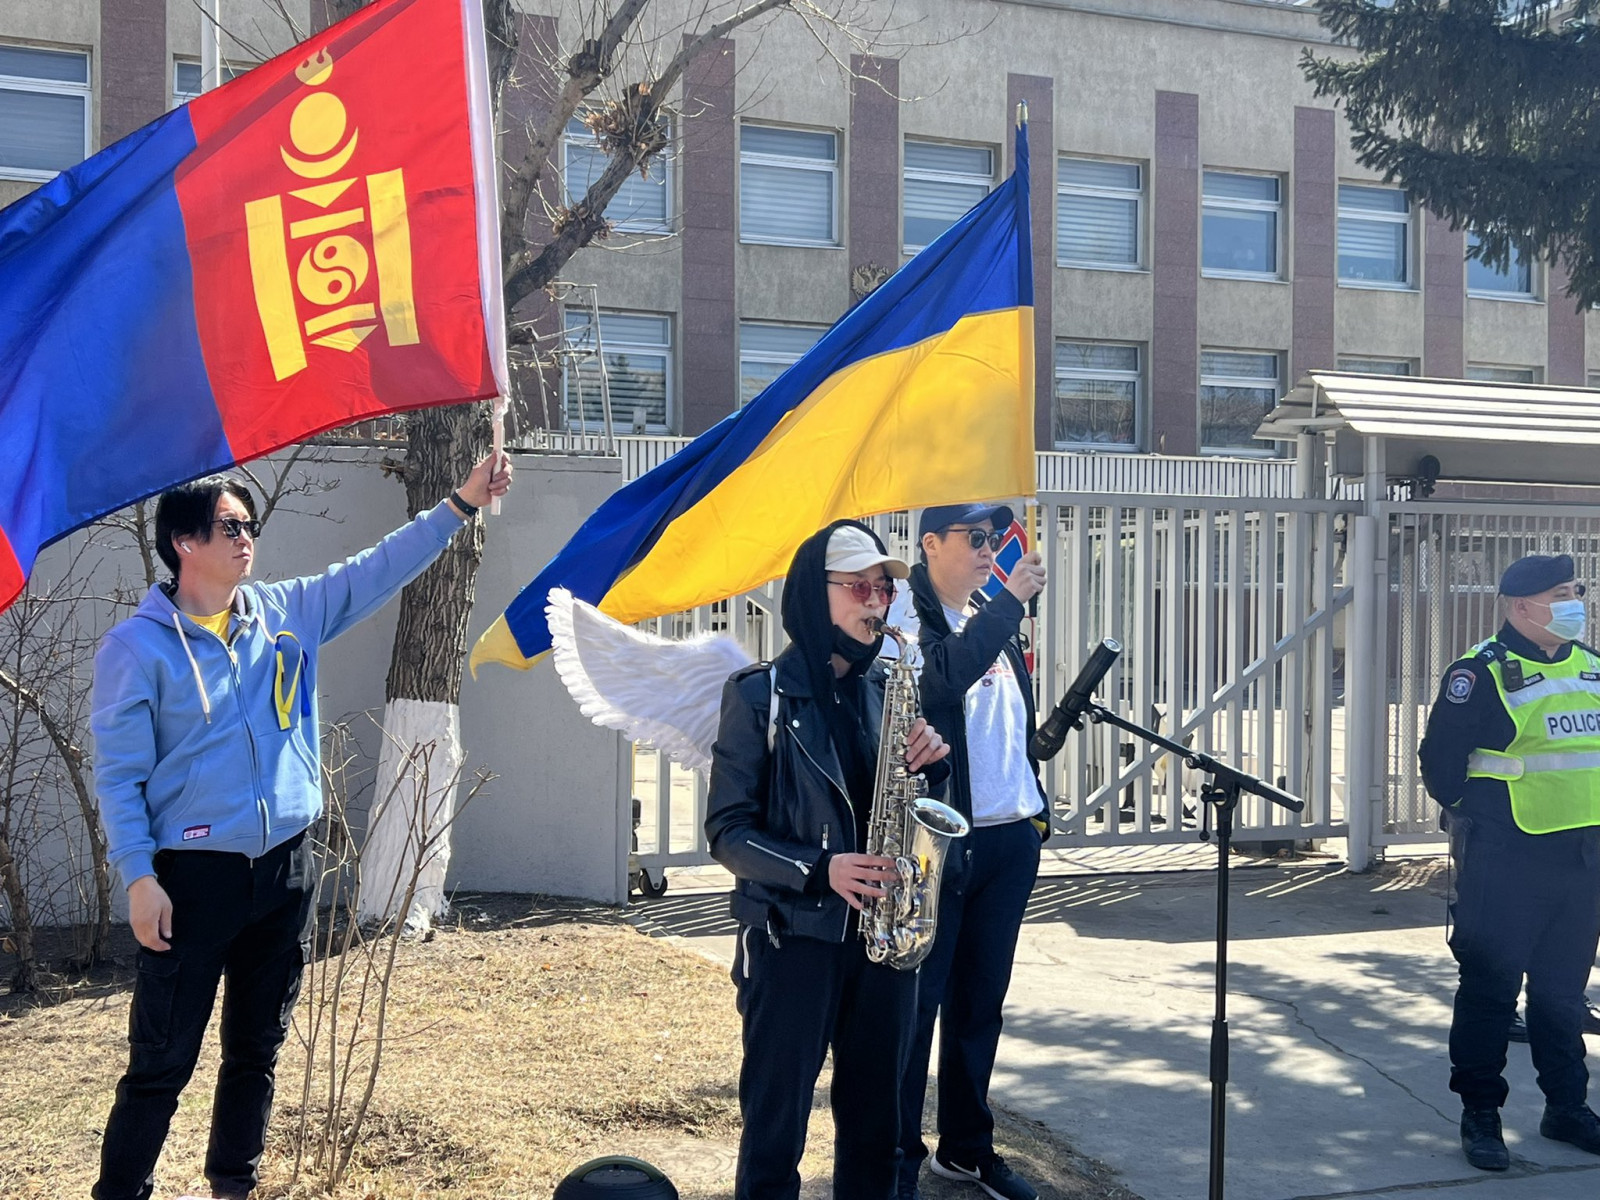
x,y
966,975
1526,905
246,919
798,998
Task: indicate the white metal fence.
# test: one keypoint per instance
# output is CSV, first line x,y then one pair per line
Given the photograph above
x,y
1442,563
1230,611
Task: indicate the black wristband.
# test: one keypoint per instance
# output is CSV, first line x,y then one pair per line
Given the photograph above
x,y
471,510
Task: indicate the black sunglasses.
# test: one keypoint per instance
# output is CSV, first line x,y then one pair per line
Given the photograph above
x,y
977,538
232,527
862,589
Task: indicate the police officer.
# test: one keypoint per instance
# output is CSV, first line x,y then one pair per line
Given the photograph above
x,y
1512,752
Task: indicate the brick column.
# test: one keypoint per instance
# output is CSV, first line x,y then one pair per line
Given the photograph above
x,y
1316,266
1444,300
1566,352
1175,266
134,66
1039,92
708,330
873,215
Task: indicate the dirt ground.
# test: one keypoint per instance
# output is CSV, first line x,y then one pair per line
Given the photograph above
x,y
527,1037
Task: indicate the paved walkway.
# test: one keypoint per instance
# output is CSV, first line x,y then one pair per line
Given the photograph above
x,y
1339,995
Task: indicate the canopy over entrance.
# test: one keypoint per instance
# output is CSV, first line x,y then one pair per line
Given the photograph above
x,y
1476,432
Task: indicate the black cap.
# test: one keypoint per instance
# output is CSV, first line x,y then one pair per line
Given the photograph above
x,y
942,516
1537,573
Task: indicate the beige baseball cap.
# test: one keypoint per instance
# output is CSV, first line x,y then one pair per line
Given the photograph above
x,y
852,549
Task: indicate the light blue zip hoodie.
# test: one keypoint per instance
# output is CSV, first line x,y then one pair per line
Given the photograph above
x,y
189,748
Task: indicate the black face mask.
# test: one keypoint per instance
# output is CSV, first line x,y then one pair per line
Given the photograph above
x,y
853,652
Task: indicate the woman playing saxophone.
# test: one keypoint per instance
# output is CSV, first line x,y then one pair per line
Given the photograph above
x,y
792,781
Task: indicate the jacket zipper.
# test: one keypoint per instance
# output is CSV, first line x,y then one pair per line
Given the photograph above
x,y
844,932
250,740
797,863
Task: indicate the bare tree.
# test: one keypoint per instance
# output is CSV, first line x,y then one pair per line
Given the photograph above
x,y
624,79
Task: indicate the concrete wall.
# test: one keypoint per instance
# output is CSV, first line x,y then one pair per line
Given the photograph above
x,y
556,818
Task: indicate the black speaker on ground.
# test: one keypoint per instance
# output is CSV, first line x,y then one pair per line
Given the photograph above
x,y
616,1177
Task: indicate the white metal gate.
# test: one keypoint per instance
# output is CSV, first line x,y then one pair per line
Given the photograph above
x,y
1443,567
1229,614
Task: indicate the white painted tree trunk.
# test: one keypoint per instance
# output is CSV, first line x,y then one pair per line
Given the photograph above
x,y
414,801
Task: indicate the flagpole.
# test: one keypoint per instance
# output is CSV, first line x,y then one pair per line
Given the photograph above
x,y
499,418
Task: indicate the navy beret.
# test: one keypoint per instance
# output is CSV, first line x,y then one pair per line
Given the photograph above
x,y
1536,573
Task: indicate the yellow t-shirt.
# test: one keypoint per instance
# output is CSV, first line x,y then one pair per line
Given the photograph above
x,y
218,624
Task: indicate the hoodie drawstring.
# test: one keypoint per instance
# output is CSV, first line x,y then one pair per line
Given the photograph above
x,y
199,681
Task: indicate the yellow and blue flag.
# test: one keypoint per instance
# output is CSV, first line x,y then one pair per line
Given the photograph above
x,y
921,394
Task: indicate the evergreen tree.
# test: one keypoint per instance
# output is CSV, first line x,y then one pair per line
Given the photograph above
x,y
1485,112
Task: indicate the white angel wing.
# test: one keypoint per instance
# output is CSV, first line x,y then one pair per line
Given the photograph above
x,y
654,690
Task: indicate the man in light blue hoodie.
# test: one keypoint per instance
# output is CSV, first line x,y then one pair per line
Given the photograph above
x,y
207,772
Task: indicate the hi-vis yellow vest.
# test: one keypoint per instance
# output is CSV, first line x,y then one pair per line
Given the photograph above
x,y
1552,766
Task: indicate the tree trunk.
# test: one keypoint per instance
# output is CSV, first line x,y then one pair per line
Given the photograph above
x,y
425,671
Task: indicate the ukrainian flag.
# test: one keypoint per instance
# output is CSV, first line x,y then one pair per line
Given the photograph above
x,y
922,394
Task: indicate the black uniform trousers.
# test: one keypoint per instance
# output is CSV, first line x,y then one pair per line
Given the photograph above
x,y
246,919
798,998
1526,905
966,976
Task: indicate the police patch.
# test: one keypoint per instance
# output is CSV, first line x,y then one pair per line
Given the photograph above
x,y
1459,686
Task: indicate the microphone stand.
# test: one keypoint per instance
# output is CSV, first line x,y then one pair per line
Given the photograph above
x,y
1220,795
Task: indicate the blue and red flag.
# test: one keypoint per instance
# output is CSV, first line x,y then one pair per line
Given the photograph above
x,y
1012,548
313,244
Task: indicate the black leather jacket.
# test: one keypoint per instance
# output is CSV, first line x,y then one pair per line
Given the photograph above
x,y
771,817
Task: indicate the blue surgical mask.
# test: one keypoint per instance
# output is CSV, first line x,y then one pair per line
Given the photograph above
x,y
1567,619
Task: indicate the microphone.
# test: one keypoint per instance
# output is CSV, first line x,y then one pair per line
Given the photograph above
x,y
1047,742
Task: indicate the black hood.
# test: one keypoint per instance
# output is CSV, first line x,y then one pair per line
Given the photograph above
x,y
806,618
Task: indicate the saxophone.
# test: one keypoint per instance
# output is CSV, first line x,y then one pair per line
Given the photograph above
x,y
906,826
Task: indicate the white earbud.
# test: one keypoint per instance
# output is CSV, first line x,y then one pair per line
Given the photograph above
x,y
185,546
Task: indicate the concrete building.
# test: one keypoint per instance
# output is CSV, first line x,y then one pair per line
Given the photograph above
x,y
1203,233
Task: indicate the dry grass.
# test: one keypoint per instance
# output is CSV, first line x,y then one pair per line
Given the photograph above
x,y
524,1041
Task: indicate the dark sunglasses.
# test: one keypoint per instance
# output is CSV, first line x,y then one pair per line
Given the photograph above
x,y
232,527
976,538
862,589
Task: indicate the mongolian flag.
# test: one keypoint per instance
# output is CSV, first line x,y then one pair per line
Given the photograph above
x,y
312,244
922,394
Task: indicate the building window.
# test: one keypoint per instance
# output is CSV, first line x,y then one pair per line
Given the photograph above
x,y
1240,225
641,205
1493,373
1376,366
1237,390
1099,213
788,186
1515,282
942,182
44,111
637,348
1374,237
186,79
1097,395
767,351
